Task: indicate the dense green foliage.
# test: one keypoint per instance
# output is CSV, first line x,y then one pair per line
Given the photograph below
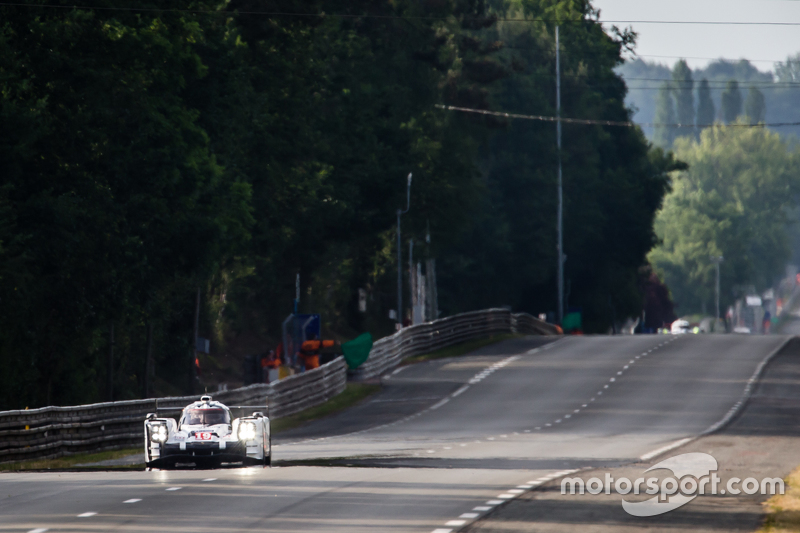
x,y
734,201
231,145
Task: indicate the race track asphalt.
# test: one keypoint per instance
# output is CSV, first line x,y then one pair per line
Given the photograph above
x,y
442,443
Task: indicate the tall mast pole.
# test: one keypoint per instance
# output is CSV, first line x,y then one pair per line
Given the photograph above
x,y
560,222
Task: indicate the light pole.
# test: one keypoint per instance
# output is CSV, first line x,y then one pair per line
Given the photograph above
x,y
560,222
400,255
717,260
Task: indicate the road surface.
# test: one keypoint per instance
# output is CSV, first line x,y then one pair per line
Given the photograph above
x,y
442,444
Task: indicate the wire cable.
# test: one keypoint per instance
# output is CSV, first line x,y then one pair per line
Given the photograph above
x,y
625,124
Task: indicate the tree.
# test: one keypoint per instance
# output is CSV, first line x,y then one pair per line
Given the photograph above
x,y
705,105
731,102
789,71
732,202
683,92
664,133
754,107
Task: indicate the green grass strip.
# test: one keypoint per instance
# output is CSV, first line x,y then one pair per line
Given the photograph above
x,y
72,460
352,394
461,349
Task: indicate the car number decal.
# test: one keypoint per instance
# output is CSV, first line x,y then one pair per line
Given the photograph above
x,y
203,435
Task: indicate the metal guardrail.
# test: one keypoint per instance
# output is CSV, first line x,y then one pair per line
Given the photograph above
x,y
431,336
57,431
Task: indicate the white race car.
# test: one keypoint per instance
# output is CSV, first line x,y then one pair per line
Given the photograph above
x,y
207,436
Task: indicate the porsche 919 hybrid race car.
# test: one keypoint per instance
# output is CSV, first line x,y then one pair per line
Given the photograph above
x,y
207,436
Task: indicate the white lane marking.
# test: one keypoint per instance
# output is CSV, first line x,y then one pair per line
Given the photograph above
x,y
567,416
600,393
631,362
578,410
537,427
668,447
494,502
448,448
462,390
605,387
440,530
619,373
528,486
462,445
39,530
441,403
86,515
548,424
431,451
626,367
558,421
455,523
397,371
503,436
210,479
515,491
584,405
174,488
506,496
468,515
490,438
482,508
133,500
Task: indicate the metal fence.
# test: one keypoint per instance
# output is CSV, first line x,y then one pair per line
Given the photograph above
x,y
57,431
431,336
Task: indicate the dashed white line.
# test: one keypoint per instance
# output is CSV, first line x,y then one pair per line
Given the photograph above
x,y
86,515
174,488
133,500
462,390
469,515
455,523
440,530
39,530
210,479
482,508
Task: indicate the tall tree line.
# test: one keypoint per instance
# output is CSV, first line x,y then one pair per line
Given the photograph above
x,y
228,146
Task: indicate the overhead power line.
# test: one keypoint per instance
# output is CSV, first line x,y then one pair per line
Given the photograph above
x,y
625,124
406,17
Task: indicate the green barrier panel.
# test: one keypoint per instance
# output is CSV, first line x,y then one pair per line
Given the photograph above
x,y
572,321
357,350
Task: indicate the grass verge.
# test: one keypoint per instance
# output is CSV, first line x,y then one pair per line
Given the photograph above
x,y
461,349
783,510
352,394
70,461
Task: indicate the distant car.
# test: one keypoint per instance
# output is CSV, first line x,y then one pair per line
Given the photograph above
x,y
207,436
679,327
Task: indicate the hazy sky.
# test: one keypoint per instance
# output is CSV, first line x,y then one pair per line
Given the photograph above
x,y
699,44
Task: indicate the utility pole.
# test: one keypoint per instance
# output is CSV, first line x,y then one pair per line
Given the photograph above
x,y
412,282
560,222
193,369
110,369
717,260
400,255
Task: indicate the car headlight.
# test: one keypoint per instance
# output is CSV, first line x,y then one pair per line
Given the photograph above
x,y
247,431
158,433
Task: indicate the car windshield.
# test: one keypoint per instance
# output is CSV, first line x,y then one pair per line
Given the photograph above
x,y
206,417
